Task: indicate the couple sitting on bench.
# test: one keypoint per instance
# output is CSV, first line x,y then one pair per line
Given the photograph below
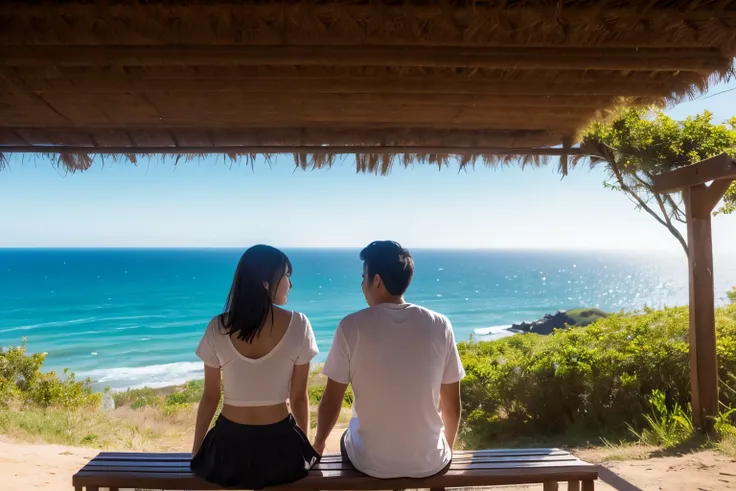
x,y
400,358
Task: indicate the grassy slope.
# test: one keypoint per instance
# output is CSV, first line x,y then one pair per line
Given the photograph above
x,y
143,419
584,317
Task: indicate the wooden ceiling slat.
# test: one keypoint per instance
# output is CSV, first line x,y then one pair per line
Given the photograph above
x,y
162,149
110,137
9,137
81,100
342,135
457,86
151,137
703,60
35,136
192,138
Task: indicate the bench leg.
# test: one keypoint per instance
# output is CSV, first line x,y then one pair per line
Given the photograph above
x,y
573,486
550,486
589,485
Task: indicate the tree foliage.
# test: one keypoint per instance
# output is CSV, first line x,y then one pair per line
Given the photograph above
x,y
640,144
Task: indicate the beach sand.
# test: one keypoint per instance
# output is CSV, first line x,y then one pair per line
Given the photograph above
x,y
25,467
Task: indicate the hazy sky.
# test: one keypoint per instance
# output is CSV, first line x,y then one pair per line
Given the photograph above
x,y
208,203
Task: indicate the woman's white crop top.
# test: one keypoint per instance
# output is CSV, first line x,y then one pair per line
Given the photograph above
x,y
264,381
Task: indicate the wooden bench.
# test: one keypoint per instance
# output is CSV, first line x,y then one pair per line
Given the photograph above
x,y
170,471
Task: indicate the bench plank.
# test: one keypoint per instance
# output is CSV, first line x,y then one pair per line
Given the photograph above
x,y
458,455
184,464
481,468
324,472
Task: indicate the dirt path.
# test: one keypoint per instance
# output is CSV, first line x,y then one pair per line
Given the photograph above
x,y
25,467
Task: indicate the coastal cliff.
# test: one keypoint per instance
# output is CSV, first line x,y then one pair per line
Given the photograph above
x,y
560,320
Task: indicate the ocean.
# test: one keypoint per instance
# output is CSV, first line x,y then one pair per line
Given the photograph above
x,y
133,317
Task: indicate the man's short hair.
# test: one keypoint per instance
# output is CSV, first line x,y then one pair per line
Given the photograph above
x,y
391,262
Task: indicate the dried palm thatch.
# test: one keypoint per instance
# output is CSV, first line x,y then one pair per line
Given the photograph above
x,y
390,82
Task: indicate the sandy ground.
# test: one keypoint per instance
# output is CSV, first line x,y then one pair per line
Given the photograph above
x,y
25,467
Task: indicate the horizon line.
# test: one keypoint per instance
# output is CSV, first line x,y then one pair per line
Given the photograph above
x,y
336,247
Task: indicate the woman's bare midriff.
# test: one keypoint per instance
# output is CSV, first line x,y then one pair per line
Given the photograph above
x,y
256,415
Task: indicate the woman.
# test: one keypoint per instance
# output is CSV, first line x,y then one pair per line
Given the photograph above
x,y
263,352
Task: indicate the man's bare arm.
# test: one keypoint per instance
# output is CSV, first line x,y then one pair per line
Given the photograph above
x,y
328,412
451,410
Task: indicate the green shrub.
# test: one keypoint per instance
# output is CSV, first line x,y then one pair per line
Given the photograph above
x,y
315,395
138,398
665,427
598,378
23,383
190,393
731,294
725,424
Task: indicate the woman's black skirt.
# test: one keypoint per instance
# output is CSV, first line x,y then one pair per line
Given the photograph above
x,y
254,457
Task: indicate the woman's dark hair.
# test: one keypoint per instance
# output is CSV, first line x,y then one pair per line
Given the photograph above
x,y
391,262
250,302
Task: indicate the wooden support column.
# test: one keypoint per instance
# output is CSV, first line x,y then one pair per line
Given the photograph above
x,y
699,202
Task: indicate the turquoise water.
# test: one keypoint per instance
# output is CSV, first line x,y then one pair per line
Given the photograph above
x,y
128,318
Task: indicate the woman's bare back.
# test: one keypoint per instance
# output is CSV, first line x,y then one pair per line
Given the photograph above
x,y
270,336
265,342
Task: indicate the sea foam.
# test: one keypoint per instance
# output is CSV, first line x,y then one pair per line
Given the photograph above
x,y
153,376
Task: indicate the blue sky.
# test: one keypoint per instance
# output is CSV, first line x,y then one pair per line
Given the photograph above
x,y
209,204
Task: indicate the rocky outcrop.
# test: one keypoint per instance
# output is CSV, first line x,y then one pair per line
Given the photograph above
x,y
560,320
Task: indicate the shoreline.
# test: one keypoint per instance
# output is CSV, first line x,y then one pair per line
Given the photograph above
x,y
546,325
315,373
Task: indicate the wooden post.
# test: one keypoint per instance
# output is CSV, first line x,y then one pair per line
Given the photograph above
x,y
699,202
551,486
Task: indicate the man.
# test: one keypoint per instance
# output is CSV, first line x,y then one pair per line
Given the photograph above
x,y
404,367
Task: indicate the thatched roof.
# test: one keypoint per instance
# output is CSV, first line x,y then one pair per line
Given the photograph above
x,y
421,78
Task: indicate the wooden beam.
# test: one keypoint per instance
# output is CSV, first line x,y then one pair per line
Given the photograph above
x,y
718,167
300,136
241,93
202,11
714,194
338,84
703,359
700,60
315,150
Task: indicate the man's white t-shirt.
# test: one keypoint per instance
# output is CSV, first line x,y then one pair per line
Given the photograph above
x,y
396,356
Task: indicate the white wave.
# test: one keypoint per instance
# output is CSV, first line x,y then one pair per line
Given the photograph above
x,y
153,376
85,320
50,324
182,323
485,331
